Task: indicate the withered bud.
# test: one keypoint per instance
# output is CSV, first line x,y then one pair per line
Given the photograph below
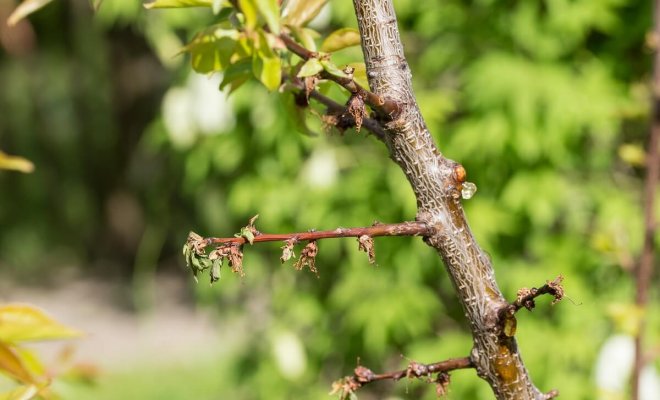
x,y
356,109
287,250
308,257
366,244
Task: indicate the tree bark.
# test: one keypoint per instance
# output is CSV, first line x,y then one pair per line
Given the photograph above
x,y
436,182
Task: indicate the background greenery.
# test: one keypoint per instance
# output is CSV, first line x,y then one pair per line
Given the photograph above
x,y
544,102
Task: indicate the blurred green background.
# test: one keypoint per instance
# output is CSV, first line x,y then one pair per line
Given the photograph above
x,y
544,102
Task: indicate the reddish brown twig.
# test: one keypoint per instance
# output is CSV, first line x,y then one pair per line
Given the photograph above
x,y
333,107
644,270
383,106
363,375
400,229
526,296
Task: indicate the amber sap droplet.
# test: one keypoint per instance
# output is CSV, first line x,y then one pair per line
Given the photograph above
x,y
468,190
459,173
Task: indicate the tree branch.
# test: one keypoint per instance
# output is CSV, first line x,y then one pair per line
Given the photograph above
x,y
363,376
384,107
378,229
333,107
526,296
437,183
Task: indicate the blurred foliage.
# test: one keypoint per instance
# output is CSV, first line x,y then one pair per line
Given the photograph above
x,y
22,373
545,103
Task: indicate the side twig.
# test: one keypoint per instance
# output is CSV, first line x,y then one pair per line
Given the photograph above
x,y
399,229
383,106
363,375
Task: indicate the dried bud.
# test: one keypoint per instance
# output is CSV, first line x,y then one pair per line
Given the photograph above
x,y
287,250
366,244
356,109
308,257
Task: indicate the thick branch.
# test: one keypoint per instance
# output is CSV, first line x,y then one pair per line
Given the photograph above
x,y
437,182
378,229
379,104
644,269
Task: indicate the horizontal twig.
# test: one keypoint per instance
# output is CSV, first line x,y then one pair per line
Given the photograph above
x,y
381,105
363,375
399,229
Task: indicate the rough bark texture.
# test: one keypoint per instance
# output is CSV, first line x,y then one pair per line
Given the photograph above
x,y
436,182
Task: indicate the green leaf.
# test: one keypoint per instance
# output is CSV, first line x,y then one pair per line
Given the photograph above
x,y
24,9
341,39
310,67
211,49
249,10
300,12
360,73
305,36
332,69
270,10
15,163
266,64
21,323
236,74
247,234
179,3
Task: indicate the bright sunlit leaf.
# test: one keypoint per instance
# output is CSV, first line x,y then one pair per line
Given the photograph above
x,y
22,323
15,163
341,39
24,9
360,73
211,50
179,3
270,9
26,392
266,64
310,67
332,69
300,12
11,365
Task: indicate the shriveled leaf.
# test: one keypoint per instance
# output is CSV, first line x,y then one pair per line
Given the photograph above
x,y
11,365
270,10
310,67
21,323
341,39
179,3
211,49
15,163
332,69
300,12
24,9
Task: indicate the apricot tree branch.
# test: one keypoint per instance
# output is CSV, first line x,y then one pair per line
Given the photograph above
x,y
399,229
381,105
526,296
335,108
363,375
